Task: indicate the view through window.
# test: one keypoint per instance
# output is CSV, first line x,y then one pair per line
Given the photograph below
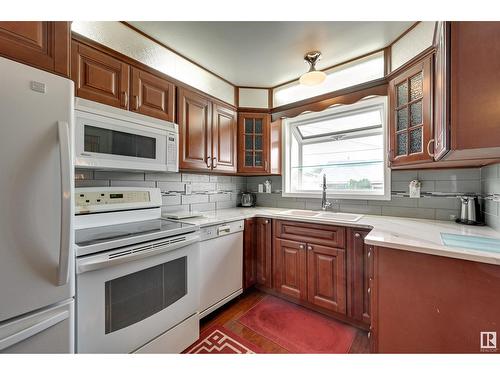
x,y
346,143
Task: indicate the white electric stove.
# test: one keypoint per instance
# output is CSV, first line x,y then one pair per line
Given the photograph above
x,y
137,273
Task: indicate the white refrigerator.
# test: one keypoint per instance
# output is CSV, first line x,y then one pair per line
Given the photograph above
x,y
36,211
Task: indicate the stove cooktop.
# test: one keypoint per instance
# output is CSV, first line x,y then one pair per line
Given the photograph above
x,y
92,240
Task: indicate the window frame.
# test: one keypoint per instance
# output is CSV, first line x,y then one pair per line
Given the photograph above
x,y
290,129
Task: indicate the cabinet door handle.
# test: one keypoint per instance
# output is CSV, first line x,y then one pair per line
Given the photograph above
x,y
125,99
136,98
429,148
265,165
209,165
369,334
357,235
266,222
369,290
301,246
214,165
369,253
309,247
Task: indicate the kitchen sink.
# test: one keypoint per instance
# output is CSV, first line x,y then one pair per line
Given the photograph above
x,y
340,216
337,216
304,213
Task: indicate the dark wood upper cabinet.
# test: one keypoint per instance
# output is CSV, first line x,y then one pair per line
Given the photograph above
x,y
99,76
249,254
410,114
152,95
207,128
263,249
195,135
290,272
253,143
224,138
441,143
275,145
41,44
326,281
475,73
359,276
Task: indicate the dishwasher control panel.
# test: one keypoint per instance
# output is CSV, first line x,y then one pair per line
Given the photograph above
x,y
213,231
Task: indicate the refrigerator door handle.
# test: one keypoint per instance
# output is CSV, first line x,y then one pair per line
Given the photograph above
x,y
33,330
65,240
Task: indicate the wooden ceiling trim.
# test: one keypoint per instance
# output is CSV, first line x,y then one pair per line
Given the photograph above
x,y
319,103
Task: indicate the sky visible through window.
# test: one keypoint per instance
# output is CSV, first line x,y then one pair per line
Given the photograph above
x,y
348,147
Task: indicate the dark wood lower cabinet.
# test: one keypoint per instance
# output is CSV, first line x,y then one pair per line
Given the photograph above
x,y
290,273
322,267
326,281
249,257
431,304
359,276
310,264
263,247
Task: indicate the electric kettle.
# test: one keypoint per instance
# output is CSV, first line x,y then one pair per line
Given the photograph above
x,y
470,210
248,199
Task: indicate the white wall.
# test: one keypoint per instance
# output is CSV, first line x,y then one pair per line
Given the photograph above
x,y
253,98
123,39
410,45
349,74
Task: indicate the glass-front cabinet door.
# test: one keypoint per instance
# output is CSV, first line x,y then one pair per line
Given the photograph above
x,y
253,131
410,98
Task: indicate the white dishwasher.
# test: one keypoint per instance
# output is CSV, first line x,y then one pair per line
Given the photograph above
x,y
221,265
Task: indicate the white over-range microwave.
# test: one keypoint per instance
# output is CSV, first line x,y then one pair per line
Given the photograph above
x,y
113,138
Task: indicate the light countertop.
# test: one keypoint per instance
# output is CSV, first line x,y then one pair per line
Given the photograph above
x,y
417,235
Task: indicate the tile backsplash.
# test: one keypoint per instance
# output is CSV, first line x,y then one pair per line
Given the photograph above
x,y
208,192
438,201
490,188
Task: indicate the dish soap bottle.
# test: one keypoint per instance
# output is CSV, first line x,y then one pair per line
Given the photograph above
x,y
267,185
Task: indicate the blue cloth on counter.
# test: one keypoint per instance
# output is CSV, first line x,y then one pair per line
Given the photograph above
x,y
471,242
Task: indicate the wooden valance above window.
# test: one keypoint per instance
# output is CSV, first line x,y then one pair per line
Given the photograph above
x,y
318,103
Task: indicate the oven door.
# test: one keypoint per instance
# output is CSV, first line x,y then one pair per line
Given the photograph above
x,y
111,143
125,301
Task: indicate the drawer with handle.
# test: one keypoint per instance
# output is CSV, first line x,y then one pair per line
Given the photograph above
x,y
327,235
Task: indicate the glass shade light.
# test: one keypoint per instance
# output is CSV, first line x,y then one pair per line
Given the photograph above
x,y
312,77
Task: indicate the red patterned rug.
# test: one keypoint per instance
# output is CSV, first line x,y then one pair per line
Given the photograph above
x,y
298,329
218,340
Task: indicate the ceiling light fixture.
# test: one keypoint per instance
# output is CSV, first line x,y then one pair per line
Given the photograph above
x,y
313,76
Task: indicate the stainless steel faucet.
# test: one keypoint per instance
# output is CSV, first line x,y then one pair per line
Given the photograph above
x,y
324,203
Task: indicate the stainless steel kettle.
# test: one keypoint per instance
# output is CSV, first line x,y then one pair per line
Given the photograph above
x,y
470,211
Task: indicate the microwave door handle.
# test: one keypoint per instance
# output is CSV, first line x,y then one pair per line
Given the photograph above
x,y
65,239
86,265
33,330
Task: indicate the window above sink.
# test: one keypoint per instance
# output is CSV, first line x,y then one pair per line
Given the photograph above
x,y
347,143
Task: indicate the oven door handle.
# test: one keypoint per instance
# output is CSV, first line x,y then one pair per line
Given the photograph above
x,y
103,261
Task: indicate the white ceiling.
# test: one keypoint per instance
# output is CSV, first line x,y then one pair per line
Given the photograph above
x,y
269,53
